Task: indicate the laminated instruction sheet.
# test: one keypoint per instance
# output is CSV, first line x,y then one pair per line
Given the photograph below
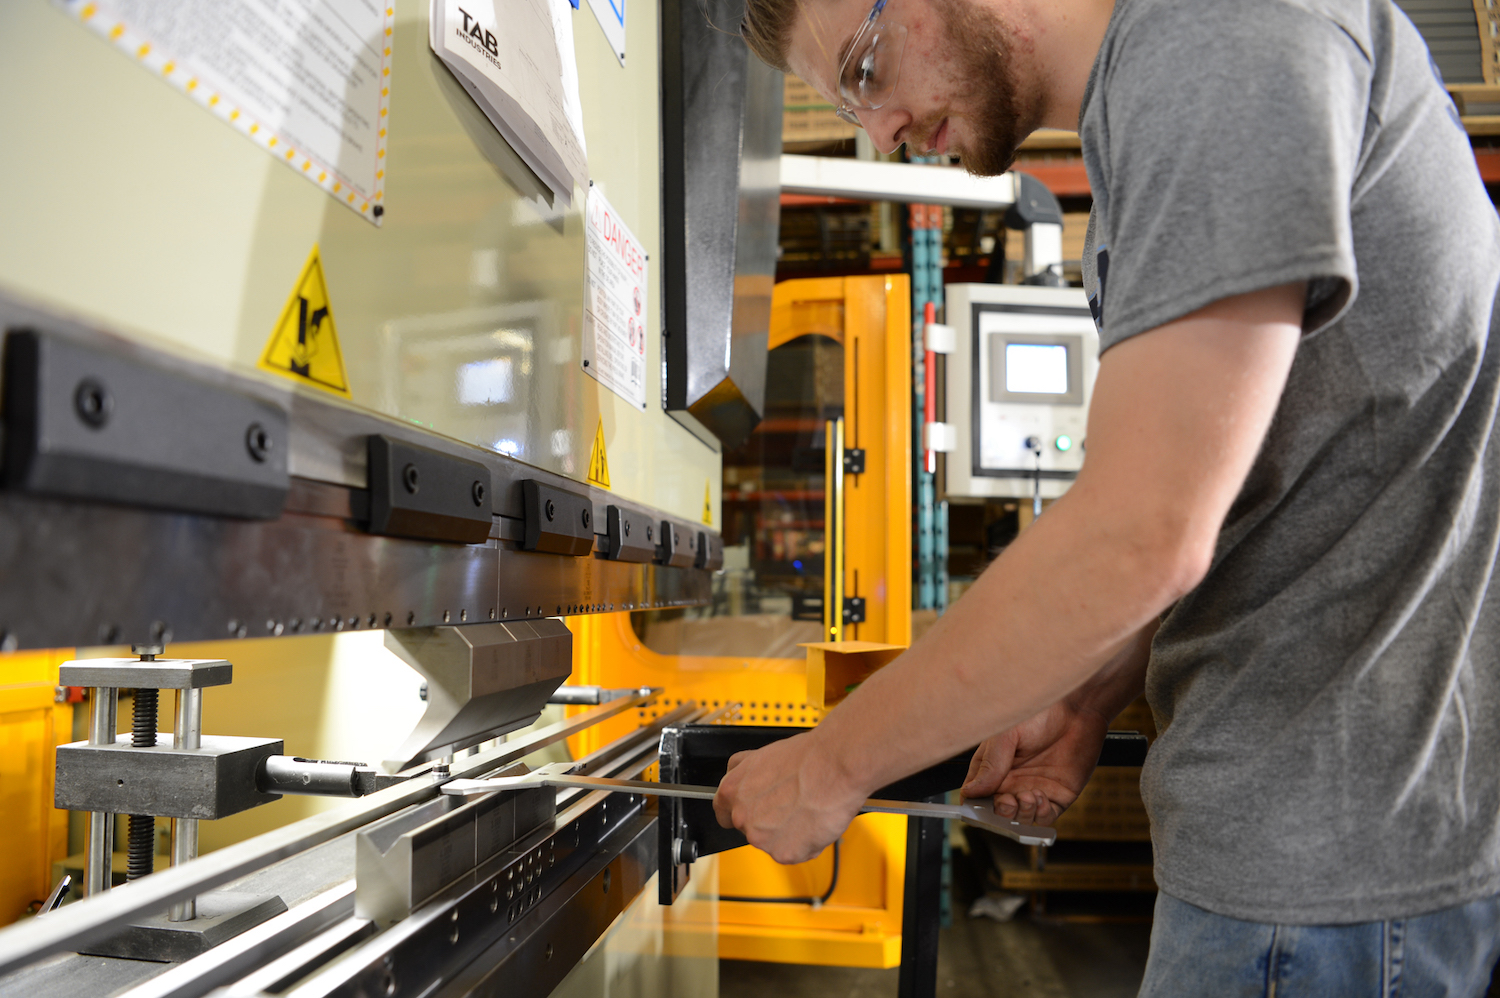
x,y
309,82
515,58
614,302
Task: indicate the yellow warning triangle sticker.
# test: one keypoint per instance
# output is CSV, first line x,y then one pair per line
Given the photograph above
x,y
708,502
598,460
304,346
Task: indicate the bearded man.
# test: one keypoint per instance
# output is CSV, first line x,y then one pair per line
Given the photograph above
x,y
1286,528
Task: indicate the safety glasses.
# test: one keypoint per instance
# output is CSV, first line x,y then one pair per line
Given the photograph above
x,y
868,74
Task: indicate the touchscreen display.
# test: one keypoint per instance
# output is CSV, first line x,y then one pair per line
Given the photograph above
x,y
1036,369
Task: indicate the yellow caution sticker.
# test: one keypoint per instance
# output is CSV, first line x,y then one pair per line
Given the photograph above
x,y
598,460
708,502
304,345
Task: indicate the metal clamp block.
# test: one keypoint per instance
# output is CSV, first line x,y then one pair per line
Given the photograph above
x,y
557,521
710,551
676,548
422,493
134,674
212,781
632,535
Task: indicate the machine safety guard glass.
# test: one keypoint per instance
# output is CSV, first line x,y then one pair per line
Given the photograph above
x,y
868,74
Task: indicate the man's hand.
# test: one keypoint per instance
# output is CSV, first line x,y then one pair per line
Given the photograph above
x,y
1039,767
787,798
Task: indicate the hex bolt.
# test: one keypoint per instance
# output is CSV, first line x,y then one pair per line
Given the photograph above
x,y
478,493
550,510
258,442
92,403
410,478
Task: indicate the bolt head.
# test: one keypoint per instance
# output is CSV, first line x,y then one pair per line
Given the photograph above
x,y
588,517
411,478
92,403
550,510
258,442
477,493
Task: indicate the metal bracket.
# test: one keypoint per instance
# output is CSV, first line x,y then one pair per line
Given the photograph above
x,y
557,521
421,493
854,609
854,460
86,422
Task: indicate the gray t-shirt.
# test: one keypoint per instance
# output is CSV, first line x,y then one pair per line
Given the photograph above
x,y
1329,695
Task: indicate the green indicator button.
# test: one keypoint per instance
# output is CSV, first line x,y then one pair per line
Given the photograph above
x,y
1064,443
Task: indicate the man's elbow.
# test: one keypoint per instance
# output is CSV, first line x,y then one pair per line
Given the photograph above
x,y
1174,556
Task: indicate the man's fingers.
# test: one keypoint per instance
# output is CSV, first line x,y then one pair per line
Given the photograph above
x,y
976,766
736,759
1005,805
987,769
723,810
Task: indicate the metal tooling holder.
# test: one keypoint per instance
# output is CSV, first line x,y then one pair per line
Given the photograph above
x,y
176,501
687,829
194,778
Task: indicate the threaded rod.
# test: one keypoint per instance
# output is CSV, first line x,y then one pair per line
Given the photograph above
x,y
141,859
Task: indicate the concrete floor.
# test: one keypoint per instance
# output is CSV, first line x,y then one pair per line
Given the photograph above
x,y
977,958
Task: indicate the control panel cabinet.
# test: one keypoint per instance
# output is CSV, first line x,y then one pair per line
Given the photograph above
x,y
1018,387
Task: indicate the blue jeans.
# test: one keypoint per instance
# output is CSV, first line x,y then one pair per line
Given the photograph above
x,y
1445,954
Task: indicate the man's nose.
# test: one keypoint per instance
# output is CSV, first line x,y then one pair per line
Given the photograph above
x,y
882,126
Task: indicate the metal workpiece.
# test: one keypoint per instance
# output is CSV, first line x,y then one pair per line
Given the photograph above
x,y
96,917
978,813
155,674
422,493
215,780
482,681
405,859
285,774
85,421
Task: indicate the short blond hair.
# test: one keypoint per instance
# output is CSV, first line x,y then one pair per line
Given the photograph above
x,y
767,29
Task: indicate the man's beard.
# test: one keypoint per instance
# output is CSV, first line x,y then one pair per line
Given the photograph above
x,y
985,69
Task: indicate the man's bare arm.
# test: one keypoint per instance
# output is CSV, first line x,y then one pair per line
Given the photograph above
x,y
1177,417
